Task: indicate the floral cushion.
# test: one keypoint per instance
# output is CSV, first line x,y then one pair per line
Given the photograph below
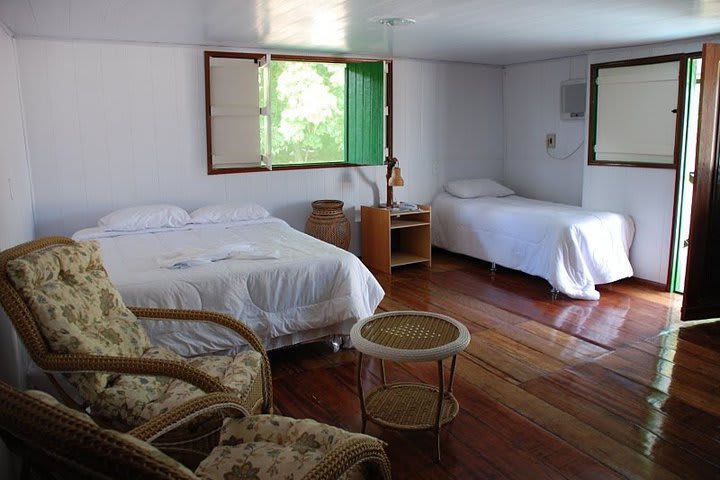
x,y
145,447
272,446
77,307
134,399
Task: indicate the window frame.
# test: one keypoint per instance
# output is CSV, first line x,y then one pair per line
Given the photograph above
x,y
682,58
212,170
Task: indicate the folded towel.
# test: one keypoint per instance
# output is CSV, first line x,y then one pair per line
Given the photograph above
x,y
191,257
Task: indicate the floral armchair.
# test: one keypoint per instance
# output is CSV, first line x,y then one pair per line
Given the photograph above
x,y
73,321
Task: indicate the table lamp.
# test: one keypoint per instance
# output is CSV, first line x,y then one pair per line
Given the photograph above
x,y
394,179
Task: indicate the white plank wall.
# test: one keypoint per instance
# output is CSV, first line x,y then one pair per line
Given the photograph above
x,y
463,138
16,213
532,109
16,217
646,194
112,125
531,95
16,210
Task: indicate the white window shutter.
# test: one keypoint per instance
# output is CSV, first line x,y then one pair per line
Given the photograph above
x,y
234,112
266,112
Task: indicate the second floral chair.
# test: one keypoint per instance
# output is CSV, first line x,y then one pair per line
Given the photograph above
x,y
57,442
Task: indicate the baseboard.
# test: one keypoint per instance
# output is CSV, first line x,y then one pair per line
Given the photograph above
x,y
651,284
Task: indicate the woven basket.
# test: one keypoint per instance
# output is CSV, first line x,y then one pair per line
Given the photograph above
x,y
327,222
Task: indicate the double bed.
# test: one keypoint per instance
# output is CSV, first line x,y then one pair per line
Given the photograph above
x,y
574,249
285,285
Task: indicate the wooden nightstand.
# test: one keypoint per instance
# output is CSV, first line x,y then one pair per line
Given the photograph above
x,y
390,239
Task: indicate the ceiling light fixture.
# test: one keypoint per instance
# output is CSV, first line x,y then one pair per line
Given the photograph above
x,y
394,21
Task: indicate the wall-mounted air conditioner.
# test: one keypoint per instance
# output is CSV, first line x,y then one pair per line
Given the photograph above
x,y
572,99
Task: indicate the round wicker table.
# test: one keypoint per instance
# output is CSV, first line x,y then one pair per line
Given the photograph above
x,y
409,337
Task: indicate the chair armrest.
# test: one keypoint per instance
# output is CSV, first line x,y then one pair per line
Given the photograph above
x,y
349,453
225,321
221,319
164,423
132,365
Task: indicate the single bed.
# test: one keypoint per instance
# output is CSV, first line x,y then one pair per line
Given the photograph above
x,y
574,249
287,286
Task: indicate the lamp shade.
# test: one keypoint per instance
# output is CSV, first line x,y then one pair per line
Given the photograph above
x,y
393,179
396,179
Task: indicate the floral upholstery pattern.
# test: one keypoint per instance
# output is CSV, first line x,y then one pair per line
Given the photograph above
x,y
272,446
147,448
250,448
134,399
77,307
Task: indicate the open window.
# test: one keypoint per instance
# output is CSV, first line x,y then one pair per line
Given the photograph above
x,y
284,111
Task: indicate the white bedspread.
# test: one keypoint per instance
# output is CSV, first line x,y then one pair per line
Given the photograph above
x,y
277,280
572,248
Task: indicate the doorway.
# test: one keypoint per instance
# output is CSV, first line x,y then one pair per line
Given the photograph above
x,y
686,176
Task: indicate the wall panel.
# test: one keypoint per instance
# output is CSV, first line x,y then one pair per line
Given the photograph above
x,y
16,213
532,109
531,94
112,125
646,194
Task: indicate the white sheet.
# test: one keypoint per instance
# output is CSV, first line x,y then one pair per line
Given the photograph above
x,y
311,286
572,248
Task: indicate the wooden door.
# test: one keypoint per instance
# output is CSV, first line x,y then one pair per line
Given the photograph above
x,y
702,283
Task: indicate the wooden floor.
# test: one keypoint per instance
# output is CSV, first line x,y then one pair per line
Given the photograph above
x,y
547,388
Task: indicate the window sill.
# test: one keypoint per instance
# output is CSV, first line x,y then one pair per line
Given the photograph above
x,y
280,168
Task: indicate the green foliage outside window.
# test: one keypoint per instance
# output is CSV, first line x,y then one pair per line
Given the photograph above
x,y
308,112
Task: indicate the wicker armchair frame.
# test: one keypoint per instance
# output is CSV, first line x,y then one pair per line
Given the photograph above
x,y
355,451
264,401
260,400
63,446
55,444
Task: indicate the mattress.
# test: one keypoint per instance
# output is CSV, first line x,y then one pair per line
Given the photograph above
x,y
574,249
285,285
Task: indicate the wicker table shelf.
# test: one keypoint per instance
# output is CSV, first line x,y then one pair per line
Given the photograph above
x,y
411,406
409,337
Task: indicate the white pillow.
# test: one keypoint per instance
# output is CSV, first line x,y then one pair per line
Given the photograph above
x,y
144,217
228,212
478,187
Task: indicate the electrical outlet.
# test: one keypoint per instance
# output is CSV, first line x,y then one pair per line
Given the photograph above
x,y
550,140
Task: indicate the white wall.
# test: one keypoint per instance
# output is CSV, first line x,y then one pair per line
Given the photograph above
x,y
531,97
16,213
16,218
646,194
448,124
112,125
532,109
